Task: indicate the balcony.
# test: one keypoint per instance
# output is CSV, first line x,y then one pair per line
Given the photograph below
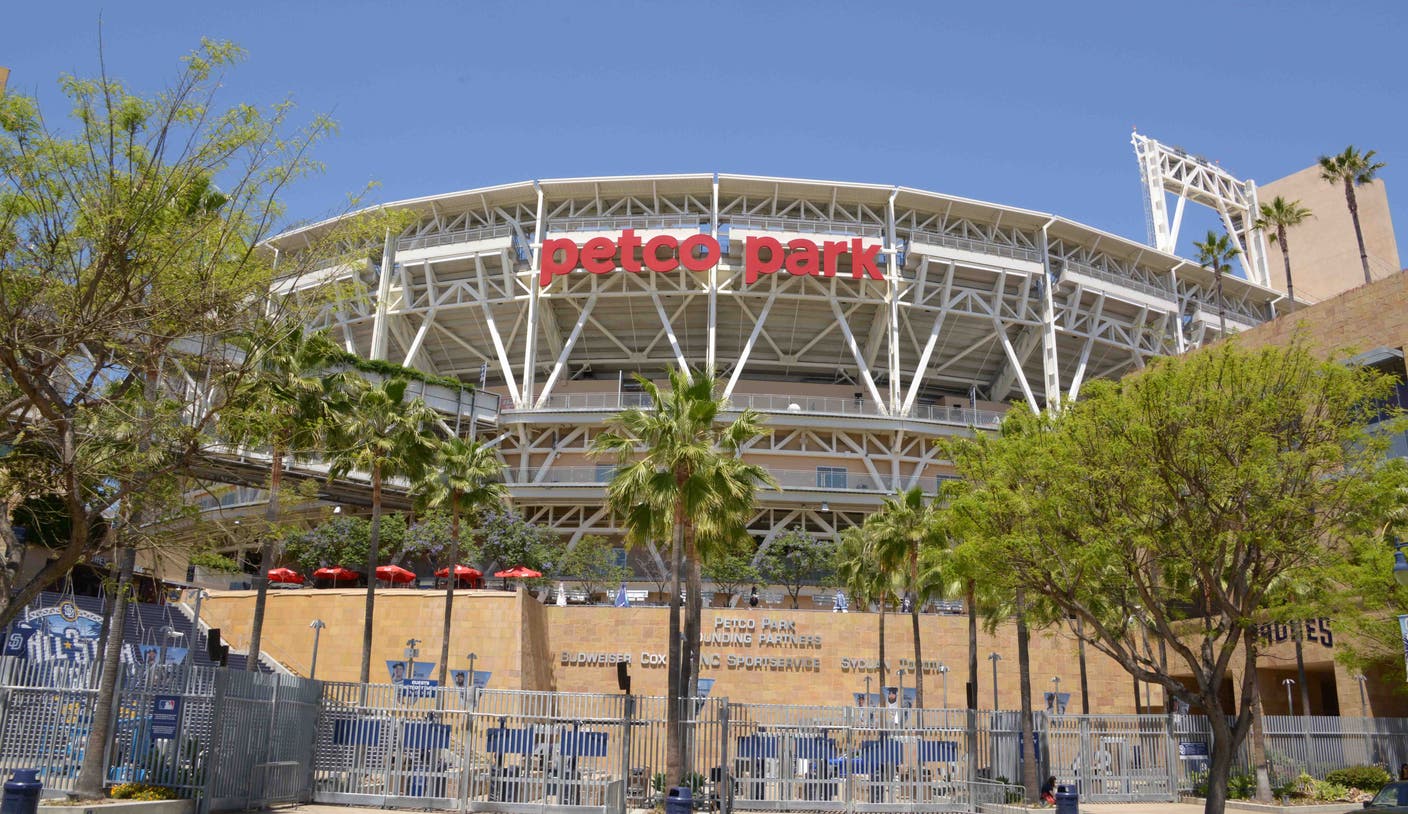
x,y
773,403
821,479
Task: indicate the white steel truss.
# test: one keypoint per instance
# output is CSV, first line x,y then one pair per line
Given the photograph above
x,y
1166,170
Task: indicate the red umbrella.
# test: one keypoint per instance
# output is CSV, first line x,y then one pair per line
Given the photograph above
x,y
394,573
461,572
285,575
338,574
518,572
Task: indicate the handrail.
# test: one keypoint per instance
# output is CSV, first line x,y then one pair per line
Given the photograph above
x,y
774,403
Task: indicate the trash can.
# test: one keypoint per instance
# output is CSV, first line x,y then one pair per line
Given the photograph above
x,y
680,800
22,793
1067,801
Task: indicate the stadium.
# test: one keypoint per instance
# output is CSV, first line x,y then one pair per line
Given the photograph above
x,y
864,321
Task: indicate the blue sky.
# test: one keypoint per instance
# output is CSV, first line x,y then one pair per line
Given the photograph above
x,y
1024,104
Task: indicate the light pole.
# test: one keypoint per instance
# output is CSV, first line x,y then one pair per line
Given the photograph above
x,y
317,625
1056,695
943,676
198,641
899,699
1363,697
1288,684
867,691
994,657
411,653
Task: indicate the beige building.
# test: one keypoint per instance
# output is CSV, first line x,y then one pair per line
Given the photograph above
x,y
1324,253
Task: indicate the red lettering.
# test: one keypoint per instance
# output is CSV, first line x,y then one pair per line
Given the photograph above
x,y
831,256
629,244
801,257
711,252
753,263
597,255
863,260
654,261
549,265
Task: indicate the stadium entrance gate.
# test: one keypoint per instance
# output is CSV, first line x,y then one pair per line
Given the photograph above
x,y
1113,758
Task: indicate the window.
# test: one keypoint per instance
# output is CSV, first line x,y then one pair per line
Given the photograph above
x,y
831,477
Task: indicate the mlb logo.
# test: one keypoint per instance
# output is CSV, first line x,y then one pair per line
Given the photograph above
x,y
167,705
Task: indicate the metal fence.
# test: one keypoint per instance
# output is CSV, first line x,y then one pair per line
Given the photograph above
x,y
236,740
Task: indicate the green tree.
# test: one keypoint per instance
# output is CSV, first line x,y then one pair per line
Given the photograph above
x,y
685,469
905,525
1179,497
855,567
1352,168
282,402
1215,253
510,540
794,559
592,563
1278,216
467,477
382,435
731,573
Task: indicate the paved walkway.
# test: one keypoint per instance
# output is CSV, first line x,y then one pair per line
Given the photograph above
x,y
1086,808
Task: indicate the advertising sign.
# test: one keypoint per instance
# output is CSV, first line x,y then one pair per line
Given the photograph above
x,y
166,716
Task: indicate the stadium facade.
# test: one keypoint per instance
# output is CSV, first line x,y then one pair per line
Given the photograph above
x,y
865,321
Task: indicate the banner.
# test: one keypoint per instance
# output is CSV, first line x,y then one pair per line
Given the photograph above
x,y
397,670
166,716
1403,631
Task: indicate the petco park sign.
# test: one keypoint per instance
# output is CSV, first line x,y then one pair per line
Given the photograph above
x,y
665,253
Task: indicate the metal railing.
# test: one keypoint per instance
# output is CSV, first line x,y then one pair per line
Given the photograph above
x,y
816,226
452,237
969,244
830,480
775,403
611,223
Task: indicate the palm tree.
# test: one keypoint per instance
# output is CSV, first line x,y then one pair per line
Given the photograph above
x,y
687,471
385,437
1352,169
1279,215
907,525
1215,253
282,402
465,476
856,571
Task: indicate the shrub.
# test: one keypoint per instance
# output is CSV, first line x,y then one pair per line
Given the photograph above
x,y
1241,786
141,791
1365,778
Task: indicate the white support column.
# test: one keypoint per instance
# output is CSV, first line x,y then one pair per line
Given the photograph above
x,y
530,343
1050,362
1179,338
427,320
1079,377
894,295
861,366
505,365
1016,364
710,358
670,333
752,340
923,365
561,363
383,293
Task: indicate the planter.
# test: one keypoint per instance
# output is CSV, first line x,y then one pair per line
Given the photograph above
x,y
121,807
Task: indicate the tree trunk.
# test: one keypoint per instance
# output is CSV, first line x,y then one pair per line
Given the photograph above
x,y
1358,232
914,614
1259,763
1084,679
1298,630
1221,308
971,691
1286,256
1024,673
694,592
882,647
674,745
92,774
266,556
451,582
1219,763
373,544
